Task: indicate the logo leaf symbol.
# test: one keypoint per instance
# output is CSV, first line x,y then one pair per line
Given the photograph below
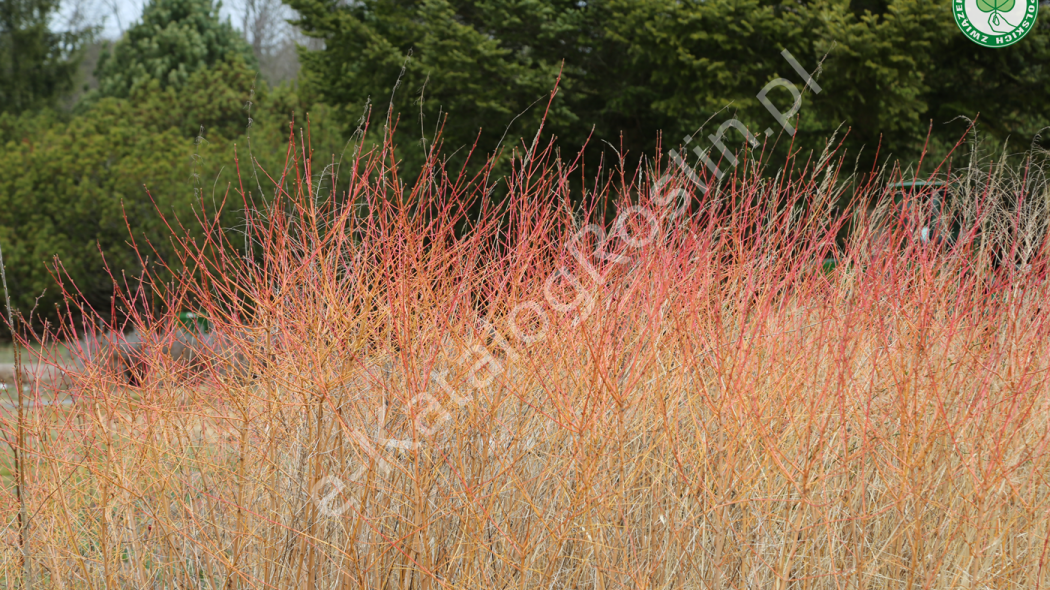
x,y
995,5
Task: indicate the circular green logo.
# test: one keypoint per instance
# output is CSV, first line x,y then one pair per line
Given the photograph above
x,y
995,23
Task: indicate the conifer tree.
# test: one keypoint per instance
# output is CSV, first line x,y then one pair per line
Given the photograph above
x,y
633,69
38,66
174,39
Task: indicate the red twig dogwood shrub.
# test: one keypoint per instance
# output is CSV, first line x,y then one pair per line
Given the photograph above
x,y
397,394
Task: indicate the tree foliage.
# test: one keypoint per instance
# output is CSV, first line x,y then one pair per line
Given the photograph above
x,y
71,190
85,190
631,69
37,65
175,39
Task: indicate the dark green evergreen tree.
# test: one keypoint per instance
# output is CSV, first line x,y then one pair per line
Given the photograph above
x,y
38,66
636,68
74,187
175,39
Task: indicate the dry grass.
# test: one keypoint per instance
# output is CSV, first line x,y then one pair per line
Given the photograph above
x,y
715,413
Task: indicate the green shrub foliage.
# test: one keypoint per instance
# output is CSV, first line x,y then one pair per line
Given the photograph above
x,y
146,154
633,68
